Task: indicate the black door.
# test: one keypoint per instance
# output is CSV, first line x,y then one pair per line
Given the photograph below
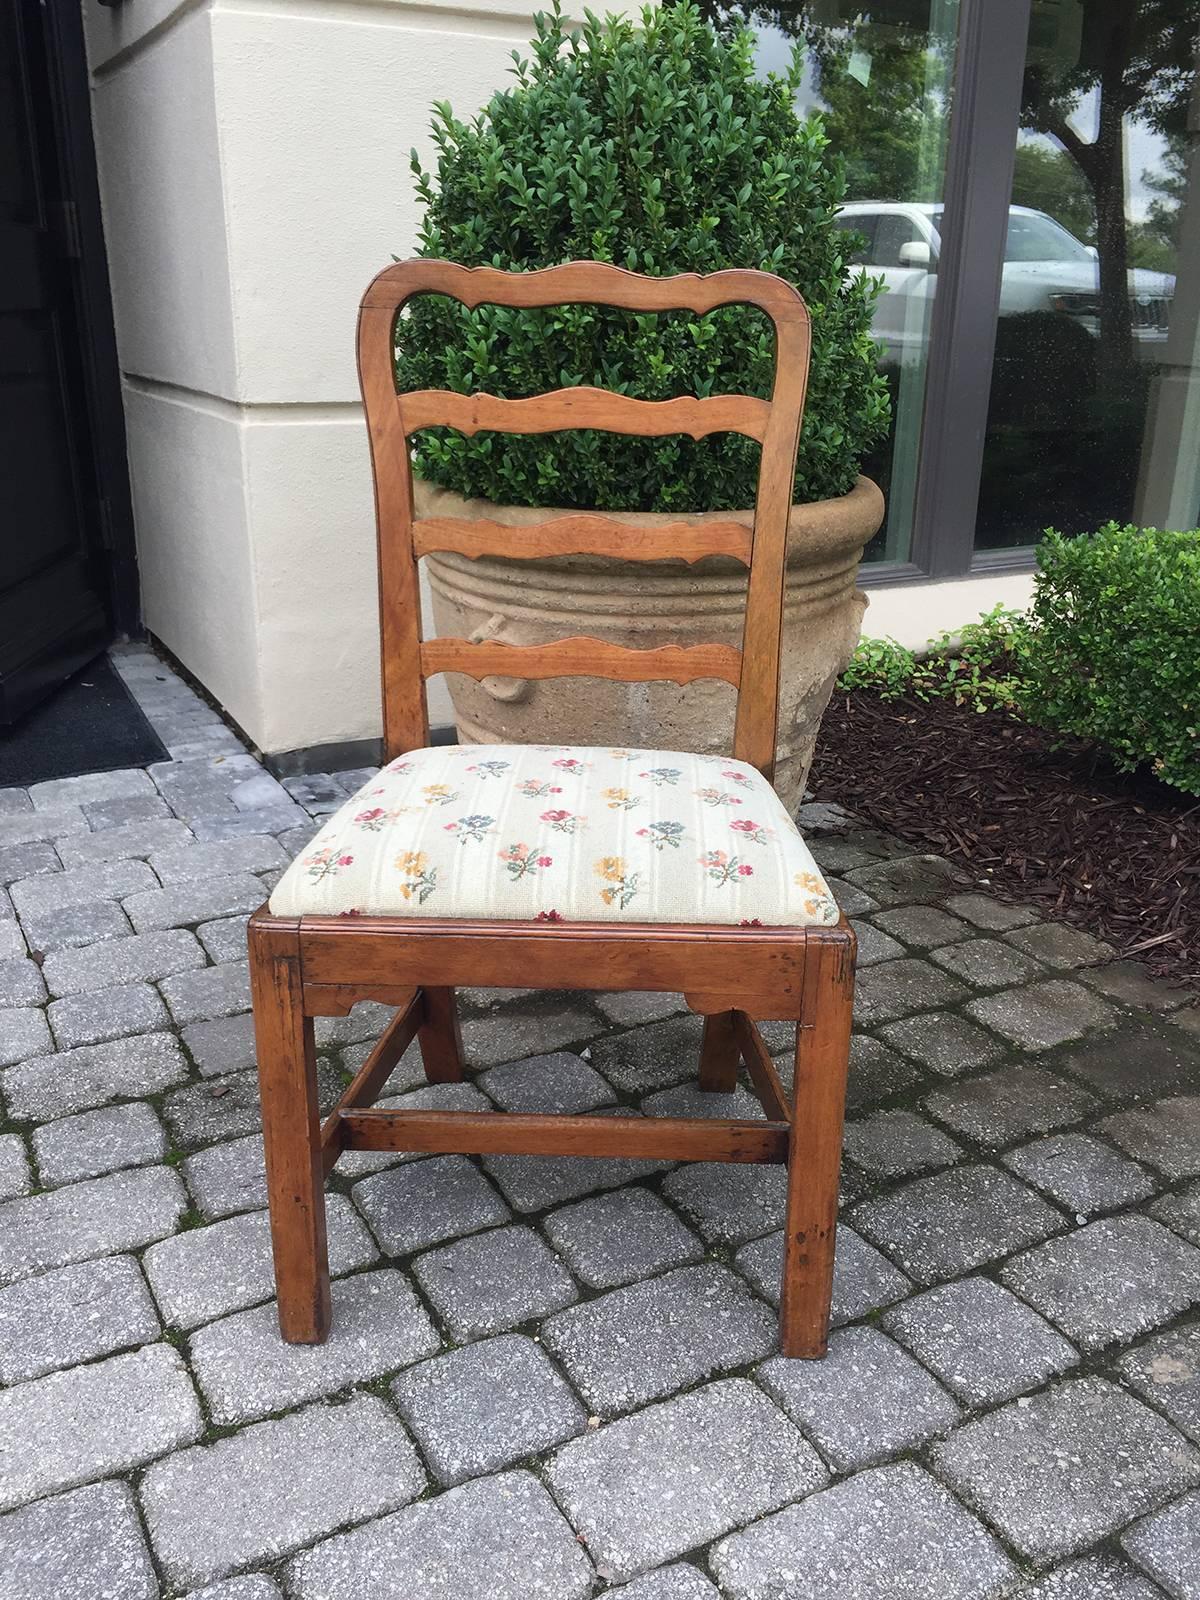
x,y
62,587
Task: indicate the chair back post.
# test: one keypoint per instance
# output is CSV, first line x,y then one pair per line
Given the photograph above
x,y
407,661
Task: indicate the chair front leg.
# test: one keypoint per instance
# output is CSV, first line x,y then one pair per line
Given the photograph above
x,y
287,1077
815,1147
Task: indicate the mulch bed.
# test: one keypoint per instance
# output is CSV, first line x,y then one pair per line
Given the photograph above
x,y
1046,821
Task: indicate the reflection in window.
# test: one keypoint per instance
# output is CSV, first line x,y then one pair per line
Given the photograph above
x,y
881,80
1095,404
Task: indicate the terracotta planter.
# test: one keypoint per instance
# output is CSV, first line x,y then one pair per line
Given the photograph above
x,y
645,604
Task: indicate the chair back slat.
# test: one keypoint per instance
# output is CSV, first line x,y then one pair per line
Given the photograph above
x,y
402,538
585,534
584,408
580,657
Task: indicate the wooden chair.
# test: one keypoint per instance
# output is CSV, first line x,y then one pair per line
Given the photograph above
x,y
308,962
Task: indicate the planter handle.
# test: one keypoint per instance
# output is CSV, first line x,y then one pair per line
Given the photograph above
x,y
510,691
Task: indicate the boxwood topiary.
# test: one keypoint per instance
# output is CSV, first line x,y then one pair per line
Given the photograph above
x,y
1114,648
654,147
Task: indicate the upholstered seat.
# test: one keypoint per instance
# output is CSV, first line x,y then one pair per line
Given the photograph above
x,y
561,833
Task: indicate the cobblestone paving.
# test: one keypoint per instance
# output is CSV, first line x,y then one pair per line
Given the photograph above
x,y
551,1380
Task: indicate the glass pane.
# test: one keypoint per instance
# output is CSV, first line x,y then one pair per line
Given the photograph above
x,y
881,79
1095,399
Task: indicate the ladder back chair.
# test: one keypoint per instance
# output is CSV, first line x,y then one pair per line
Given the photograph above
x,y
484,865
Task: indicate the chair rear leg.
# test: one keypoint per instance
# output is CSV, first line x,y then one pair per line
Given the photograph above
x,y
815,1148
440,1037
719,1054
287,1076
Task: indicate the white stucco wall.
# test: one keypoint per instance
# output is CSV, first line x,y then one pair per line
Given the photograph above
x,y
254,168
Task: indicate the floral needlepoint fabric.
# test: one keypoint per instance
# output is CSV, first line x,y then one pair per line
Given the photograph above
x,y
557,833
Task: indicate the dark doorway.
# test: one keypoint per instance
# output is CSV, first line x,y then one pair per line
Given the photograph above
x,y
68,578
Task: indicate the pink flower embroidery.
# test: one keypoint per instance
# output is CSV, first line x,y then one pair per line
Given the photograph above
x,y
752,830
521,861
327,862
723,868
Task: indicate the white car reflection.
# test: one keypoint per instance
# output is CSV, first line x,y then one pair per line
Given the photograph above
x,y
1045,269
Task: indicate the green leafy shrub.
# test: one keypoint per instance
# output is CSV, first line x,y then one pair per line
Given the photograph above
x,y
981,665
655,148
1114,652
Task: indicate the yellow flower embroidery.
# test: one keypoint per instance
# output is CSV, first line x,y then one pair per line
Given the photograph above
x,y
621,799
621,886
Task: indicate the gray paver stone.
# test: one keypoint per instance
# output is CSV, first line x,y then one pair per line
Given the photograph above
x,y
84,1545
729,1204
632,1009
616,1238
874,945
209,1272
1113,1280
1181,1212
135,838
559,1083
494,1281
876,1073
892,1533
907,879
143,958
924,927
500,1537
945,1328
220,858
1139,1060
23,1033
1168,1547
1081,1173
55,792
79,886
945,1225
211,992
1166,1134
12,940
510,1036
986,912
122,1211
246,1371
894,988
94,1421
414,1206
251,1586
25,827
1131,984
19,861
480,1408
95,1142
651,1339
15,1176
228,1177
1092,1578
863,1279
185,903
1044,1014
224,939
105,815
226,1044
73,1314
75,1080
71,927
21,983
679,1582
1057,1471
985,963
1010,1104
654,1057
106,1014
275,1486
894,1144
867,1400
707,1462
1059,945
1166,1371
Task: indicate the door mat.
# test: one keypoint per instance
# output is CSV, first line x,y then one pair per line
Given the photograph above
x,y
91,724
